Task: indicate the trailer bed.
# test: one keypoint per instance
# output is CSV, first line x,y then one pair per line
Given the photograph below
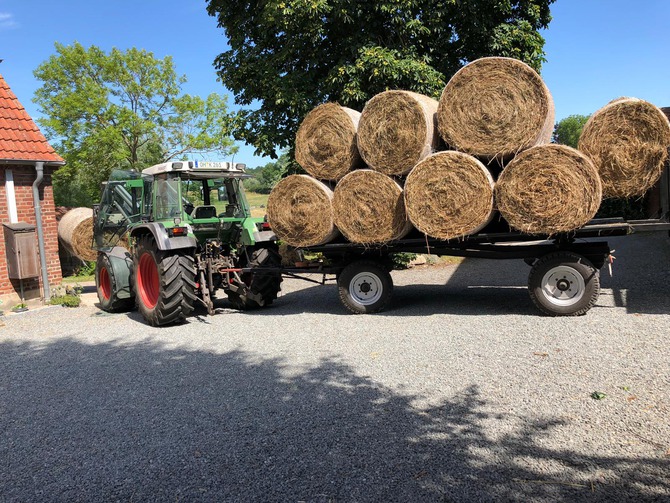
x,y
564,278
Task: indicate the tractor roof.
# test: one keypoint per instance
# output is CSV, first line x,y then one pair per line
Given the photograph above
x,y
199,169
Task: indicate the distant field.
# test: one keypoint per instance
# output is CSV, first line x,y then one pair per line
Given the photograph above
x,y
255,202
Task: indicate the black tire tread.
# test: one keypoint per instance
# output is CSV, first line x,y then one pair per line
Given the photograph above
x,y
349,272
177,296
267,285
114,304
592,283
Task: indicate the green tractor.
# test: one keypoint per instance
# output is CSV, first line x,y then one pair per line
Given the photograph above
x,y
169,237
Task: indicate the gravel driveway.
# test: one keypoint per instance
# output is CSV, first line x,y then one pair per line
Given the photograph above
x,y
460,392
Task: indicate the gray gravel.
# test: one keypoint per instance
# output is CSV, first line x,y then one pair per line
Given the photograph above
x,y
460,392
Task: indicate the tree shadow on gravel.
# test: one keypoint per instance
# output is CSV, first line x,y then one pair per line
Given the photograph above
x,y
115,422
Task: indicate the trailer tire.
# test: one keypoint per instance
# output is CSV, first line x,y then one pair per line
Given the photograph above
x,y
564,284
164,283
365,287
108,289
267,286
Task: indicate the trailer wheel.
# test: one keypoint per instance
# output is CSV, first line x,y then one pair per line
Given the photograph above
x,y
564,284
365,287
165,288
108,288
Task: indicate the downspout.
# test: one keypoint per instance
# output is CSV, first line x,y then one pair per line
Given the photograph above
x,y
39,169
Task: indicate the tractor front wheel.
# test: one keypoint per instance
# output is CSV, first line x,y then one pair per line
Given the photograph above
x,y
165,288
108,287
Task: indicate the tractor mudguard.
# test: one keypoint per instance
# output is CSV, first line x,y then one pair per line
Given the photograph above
x,y
163,241
122,265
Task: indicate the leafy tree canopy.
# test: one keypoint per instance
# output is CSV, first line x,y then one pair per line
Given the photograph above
x,y
122,109
287,56
567,131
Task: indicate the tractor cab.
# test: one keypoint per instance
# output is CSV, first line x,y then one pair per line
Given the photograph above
x,y
197,190
205,198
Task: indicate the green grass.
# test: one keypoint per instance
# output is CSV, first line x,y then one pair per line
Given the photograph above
x,y
79,279
256,199
255,202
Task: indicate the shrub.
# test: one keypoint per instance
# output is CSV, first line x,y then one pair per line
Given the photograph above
x,y
86,269
66,300
66,296
402,260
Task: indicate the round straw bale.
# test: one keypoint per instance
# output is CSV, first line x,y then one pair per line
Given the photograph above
x,y
548,189
449,195
495,108
369,208
325,145
397,130
628,141
75,231
300,211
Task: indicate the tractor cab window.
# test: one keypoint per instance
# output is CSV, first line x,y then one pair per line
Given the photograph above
x,y
167,198
120,205
191,194
225,194
221,194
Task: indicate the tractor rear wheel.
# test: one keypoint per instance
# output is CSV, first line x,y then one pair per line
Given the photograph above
x,y
165,288
108,288
258,289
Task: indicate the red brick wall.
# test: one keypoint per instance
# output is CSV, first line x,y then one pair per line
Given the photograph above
x,y
24,176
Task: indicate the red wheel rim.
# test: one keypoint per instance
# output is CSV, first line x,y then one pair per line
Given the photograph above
x,y
147,280
105,283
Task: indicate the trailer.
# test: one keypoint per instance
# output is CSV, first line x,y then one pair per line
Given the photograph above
x,y
564,279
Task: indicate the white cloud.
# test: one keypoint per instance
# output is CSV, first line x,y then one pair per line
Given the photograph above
x,y
7,21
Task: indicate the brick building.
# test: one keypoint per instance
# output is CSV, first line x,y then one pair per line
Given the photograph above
x,y
24,152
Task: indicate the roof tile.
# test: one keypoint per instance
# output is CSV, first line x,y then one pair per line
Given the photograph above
x,y
20,138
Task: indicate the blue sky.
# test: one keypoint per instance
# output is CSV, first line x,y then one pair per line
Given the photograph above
x,y
597,50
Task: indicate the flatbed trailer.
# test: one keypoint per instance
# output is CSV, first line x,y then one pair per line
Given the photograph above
x,y
564,279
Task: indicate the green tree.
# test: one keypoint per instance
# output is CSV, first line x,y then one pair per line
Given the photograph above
x,y
266,177
122,109
567,131
287,56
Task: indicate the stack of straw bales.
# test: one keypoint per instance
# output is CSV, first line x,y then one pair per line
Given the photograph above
x,y
408,161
